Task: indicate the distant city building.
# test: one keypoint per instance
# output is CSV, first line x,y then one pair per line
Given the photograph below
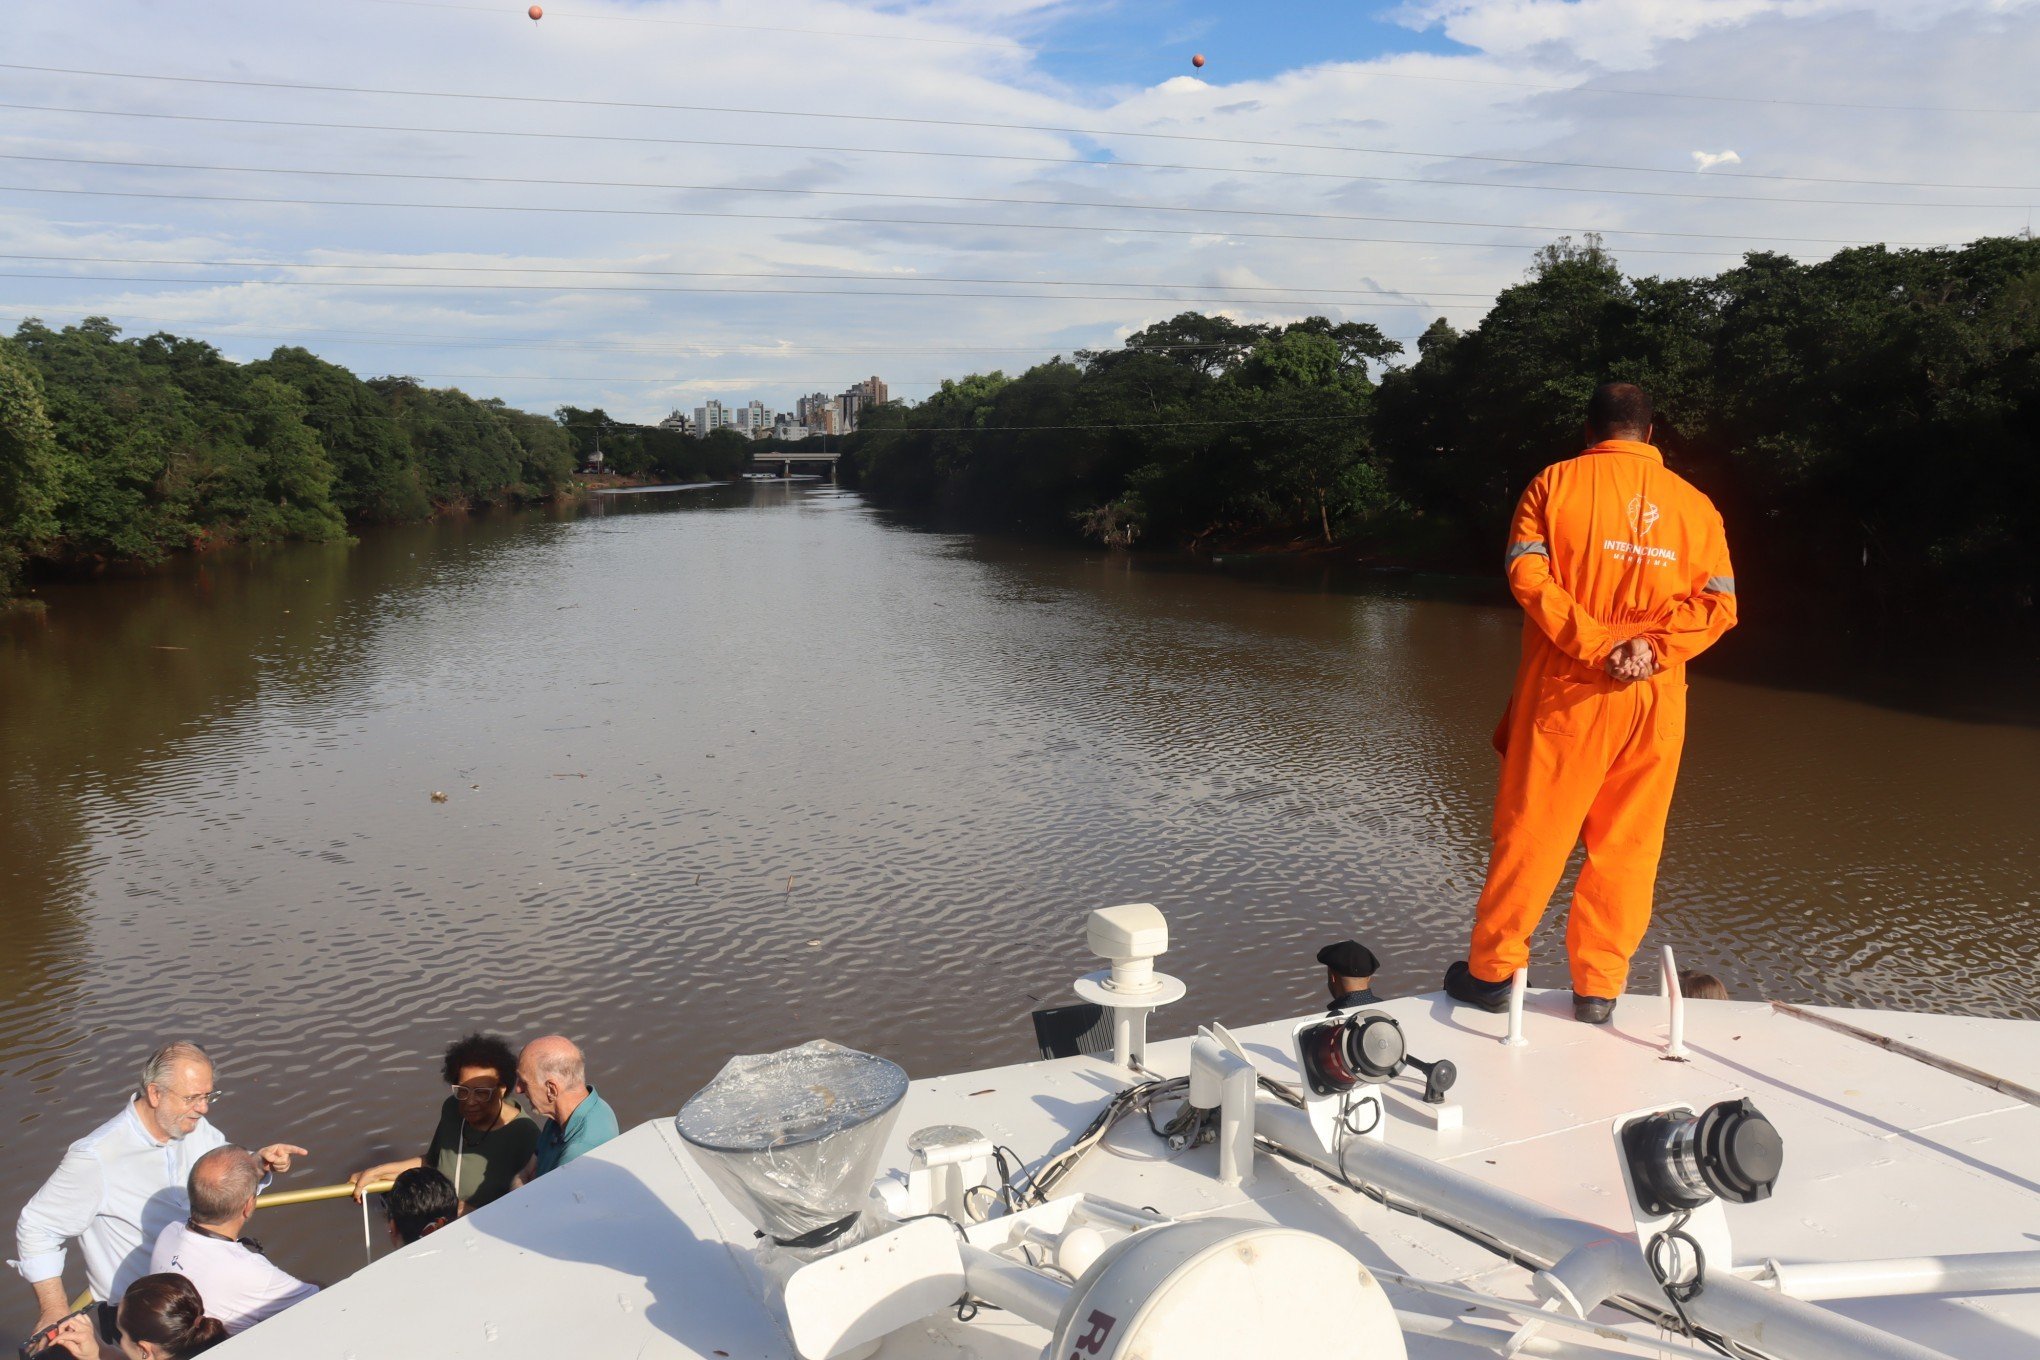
x,y
714,416
818,413
678,423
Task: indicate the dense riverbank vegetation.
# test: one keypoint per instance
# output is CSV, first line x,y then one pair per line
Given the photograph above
x,y
129,450
1869,425
655,452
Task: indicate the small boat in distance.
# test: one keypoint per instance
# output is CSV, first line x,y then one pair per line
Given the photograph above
x,y
1698,1178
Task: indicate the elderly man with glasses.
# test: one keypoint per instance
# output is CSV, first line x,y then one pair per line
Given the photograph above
x,y
123,1183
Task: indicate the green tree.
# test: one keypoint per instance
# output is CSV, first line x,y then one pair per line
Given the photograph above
x,y
28,466
374,476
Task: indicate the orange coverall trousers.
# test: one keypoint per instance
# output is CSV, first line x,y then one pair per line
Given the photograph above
x,y
1605,547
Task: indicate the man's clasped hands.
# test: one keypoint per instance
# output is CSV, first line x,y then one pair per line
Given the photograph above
x,y
1632,660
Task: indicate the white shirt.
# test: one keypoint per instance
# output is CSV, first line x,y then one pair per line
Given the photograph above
x,y
115,1190
240,1286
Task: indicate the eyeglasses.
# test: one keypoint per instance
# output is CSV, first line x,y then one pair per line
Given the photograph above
x,y
198,1098
476,1092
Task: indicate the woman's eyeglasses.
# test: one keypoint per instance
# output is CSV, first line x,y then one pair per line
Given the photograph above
x,y
476,1092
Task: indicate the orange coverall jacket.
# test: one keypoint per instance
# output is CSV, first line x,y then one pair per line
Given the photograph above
x,y
1604,547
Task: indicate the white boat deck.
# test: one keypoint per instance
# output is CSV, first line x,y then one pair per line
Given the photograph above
x,y
631,1252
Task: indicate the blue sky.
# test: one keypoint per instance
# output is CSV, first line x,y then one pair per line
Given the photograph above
x,y
655,202
1129,45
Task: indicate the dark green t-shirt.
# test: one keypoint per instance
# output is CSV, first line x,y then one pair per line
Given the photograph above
x,y
480,1165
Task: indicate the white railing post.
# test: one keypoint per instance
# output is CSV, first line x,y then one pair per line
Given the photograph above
x,y
1518,985
1675,1009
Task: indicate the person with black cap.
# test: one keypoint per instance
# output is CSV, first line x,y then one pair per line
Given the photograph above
x,y
1349,973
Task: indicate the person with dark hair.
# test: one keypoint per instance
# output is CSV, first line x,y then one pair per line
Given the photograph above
x,y
119,1186
1698,986
161,1317
1623,573
212,1248
482,1140
421,1202
1349,975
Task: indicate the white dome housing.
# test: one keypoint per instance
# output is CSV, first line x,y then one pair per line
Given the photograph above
x,y
1219,1289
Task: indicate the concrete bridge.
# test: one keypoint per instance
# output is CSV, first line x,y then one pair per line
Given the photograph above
x,y
784,463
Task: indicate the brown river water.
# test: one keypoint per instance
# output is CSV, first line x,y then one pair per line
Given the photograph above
x,y
729,769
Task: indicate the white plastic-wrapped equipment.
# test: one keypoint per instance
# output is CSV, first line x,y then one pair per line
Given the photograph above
x,y
792,1138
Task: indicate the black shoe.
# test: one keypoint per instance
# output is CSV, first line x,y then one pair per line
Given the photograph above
x,y
1462,985
1593,1010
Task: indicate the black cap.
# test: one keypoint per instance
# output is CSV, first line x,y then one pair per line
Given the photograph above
x,y
1349,958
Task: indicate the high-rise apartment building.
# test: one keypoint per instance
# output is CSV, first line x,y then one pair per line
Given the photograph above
x,y
713,416
809,409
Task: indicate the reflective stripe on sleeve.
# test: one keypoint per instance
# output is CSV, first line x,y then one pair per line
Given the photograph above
x,y
1721,585
1517,550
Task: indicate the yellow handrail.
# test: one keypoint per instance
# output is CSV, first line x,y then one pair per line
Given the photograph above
x,y
312,1194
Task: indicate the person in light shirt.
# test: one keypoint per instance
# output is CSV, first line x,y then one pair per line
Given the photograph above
x,y
118,1187
240,1285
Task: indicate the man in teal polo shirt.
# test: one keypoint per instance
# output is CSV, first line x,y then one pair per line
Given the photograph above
x,y
553,1076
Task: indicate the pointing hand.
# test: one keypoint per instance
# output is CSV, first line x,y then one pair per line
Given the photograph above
x,y
276,1157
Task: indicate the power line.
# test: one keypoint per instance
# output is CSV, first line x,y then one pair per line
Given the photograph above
x,y
1128,425
429,340
1030,202
676,381
1108,162
1270,303
720,274
1853,106
498,11
1118,229
983,429
1014,48
560,100
969,198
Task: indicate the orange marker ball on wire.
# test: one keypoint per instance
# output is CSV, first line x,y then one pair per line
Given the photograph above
x,y
536,12
1196,60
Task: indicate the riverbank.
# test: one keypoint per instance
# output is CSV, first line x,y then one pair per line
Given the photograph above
x,y
1865,424
122,453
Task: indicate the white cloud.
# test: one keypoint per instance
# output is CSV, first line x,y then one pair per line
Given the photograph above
x,y
960,71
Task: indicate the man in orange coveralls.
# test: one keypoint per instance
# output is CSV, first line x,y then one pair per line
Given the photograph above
x,y
1622,569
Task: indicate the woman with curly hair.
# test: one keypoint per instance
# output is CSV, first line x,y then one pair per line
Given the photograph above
x,y
483,1140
